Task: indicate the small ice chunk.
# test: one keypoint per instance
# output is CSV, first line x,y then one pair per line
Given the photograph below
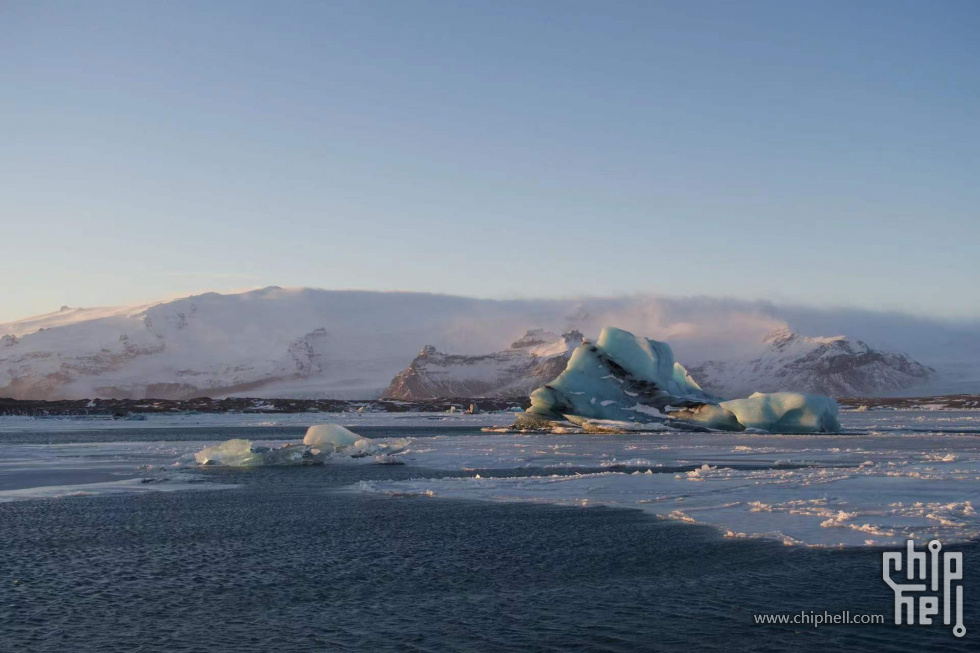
x,y
329,438
232,453
242,453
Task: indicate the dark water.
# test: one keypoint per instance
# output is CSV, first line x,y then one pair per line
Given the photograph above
x,y
293,561
202,433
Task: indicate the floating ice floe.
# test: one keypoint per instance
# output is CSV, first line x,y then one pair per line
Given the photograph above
x,y
323,443
835,490
627,379
233,453
331,437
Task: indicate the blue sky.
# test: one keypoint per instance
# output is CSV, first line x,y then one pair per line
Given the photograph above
x,y
825,153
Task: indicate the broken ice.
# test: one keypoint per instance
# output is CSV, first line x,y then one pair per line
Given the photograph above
x,y
322,443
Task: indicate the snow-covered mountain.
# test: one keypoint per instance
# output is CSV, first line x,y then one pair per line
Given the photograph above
x,y
310,344
533,360
835,366
272,342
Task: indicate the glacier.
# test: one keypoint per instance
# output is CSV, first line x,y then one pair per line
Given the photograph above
x,y
627,378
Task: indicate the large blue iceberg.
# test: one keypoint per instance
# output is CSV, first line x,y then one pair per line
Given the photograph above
x,y
786,412
626,378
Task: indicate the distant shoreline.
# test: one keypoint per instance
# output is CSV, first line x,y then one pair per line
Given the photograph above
x,y
122,408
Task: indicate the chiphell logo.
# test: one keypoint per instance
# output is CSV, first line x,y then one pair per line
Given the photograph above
x,y
920,566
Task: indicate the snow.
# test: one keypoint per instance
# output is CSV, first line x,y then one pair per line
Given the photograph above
x,y
836,365
551,344
70,317
298,343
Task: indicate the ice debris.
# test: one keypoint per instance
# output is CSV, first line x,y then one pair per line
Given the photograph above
x,y
322,443
234,453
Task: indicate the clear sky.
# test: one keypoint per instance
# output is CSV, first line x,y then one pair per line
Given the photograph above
x,y
817,152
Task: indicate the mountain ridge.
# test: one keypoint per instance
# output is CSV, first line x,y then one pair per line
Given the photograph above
x,y
309,343
836,365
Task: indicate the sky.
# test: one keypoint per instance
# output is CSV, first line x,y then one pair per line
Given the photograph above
x,y
823,153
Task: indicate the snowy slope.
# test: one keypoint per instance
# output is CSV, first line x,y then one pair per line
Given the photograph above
x,y
835,366
271,342
533,360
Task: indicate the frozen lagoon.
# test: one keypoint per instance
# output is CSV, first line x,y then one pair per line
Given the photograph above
x,y
303,558
890,476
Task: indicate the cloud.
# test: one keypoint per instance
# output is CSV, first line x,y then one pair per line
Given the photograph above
x,y
700,328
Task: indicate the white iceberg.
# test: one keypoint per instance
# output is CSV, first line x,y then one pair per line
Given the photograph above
x,y
332,437
786,412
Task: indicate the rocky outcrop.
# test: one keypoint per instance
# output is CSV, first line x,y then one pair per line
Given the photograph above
x,y
532,360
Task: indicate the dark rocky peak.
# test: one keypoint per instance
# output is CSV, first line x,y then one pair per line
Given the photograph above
x,y
780,337
573,337
533,338
427,351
